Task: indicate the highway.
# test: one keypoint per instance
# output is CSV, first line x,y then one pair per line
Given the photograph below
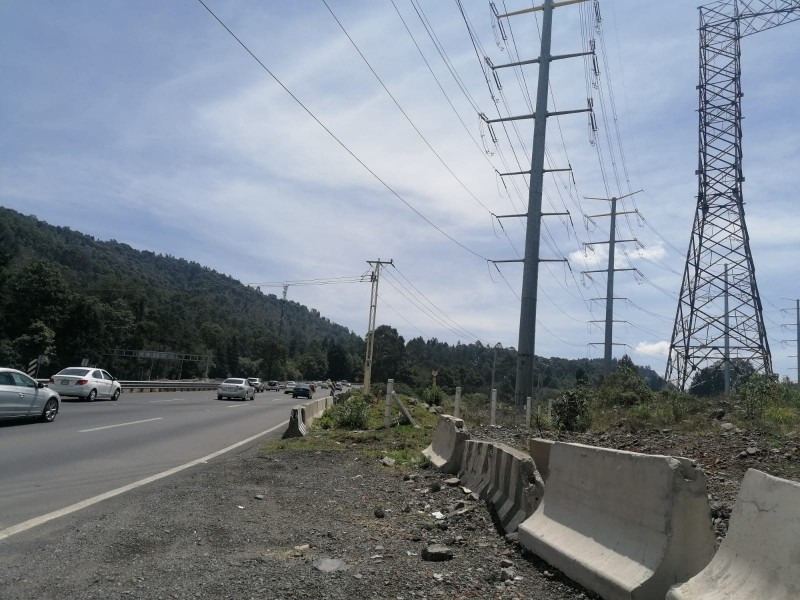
x,y
96,447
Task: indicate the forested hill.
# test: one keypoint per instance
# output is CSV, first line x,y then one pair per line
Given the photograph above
x,y
68,296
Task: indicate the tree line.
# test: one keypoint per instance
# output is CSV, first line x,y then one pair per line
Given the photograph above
x,y
66,296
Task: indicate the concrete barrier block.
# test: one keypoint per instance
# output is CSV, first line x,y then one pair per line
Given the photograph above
x,y
297,426
447,448
624,525
539,449
503,477
760,555
475,472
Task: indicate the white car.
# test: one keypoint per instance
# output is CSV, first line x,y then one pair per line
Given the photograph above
x,y
21,396
289,387
236,387
88,383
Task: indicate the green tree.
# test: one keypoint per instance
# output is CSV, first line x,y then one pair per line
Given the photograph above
x,y
339,364
624,386
388,354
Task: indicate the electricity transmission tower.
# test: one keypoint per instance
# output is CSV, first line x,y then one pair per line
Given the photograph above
x,y
612,242
705,332
530,275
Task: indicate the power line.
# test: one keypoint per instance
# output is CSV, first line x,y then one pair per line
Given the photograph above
x,y
337,140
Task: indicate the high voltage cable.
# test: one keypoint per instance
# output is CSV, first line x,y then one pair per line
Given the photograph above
x,y
337,140
441,87
321,281
394,310
468,333
404,113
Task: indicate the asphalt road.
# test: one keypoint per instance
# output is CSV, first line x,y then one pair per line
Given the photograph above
x,y
94,448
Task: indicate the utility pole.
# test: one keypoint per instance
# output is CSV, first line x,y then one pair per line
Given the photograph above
x,y
530,274
283,305
373,311
610,270
797,333
727,355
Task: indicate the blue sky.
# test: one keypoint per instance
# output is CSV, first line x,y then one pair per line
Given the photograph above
x,y
147,123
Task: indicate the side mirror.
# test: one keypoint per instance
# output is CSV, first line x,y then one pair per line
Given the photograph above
x,y
40,385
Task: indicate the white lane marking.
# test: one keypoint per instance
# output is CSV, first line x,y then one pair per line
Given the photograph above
x,y
120,425
167,400
31,523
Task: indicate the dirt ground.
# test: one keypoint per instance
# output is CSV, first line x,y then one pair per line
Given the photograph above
x,y
255,525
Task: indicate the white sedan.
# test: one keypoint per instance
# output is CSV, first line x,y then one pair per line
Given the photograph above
x,y
236,388
88,383
21,396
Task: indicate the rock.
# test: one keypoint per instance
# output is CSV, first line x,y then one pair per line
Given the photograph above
x,y
380,513
717,414
330,565
436,486
452,482
511,538
743,454
387,461
259,496
437,553
727,426
505,563
507,574
752,451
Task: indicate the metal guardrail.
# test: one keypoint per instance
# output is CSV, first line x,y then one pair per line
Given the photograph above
x,y
162,386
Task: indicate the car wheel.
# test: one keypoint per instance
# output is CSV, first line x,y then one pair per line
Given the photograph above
x,y
50,411
219,397
92,396
115,395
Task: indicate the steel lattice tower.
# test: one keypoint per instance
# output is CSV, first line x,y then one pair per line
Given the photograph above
x,y
720,241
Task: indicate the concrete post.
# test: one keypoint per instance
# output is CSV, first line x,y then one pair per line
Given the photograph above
x,y
493,408
528,413
550,410
457,407
387,409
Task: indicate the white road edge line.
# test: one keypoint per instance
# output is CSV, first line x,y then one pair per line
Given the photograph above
x,y
120,425
31,523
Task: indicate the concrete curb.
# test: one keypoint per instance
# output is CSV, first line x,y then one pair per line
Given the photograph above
x,y
624,525
447,448
758,558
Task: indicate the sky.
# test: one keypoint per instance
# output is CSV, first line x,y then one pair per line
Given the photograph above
x,y
336,132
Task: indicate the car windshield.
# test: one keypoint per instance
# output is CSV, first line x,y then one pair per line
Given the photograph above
x,y
74,371
235,381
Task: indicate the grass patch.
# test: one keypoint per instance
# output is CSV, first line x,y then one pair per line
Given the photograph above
x,y
402,442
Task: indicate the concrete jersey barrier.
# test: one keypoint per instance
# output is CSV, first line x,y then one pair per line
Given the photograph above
x,y
624,525
760,555
505,478
447,447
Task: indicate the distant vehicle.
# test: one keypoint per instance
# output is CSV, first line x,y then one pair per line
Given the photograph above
x,y
302,389
272,385
236,387
88,383
338,387
21,396
256,383
289,387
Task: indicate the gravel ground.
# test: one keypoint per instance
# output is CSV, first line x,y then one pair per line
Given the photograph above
x,y
250,525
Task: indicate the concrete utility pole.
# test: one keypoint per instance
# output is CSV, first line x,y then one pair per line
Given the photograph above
x,y
530,274
373,311
612,242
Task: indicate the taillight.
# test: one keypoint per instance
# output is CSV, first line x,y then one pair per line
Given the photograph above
x,y
51,380
82,382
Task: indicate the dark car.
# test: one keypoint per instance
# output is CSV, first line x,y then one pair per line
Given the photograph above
x,y
302,389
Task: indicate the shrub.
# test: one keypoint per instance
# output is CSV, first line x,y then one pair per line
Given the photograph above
x,y
756,394
571,411
350,414
433,395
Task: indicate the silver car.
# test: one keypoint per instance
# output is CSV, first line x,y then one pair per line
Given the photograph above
x,y
21,396
88,383
236,387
